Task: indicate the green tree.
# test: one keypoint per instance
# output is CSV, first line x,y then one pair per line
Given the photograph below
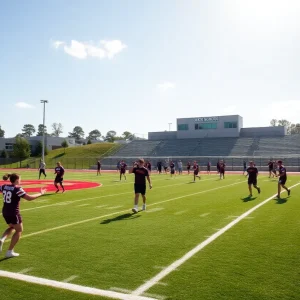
x,y
94,135
21,148
291,128
57,129
41,129
28,130
77,133
128,135
65,145
110,136
295,128
89,142
38,151
2,132
3,154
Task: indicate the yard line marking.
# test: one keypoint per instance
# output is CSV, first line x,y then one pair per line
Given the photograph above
x,y
25,271
71,286
98,197
101,206
122,211
85,204
113,207
204,215
231,217
70,278
116,289
154,209
157,297
180,212
143,288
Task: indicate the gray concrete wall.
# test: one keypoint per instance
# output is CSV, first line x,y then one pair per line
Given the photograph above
x,y
263,131
162,135
221,131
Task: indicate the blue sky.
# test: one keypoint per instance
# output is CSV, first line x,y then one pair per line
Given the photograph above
x,y
138,65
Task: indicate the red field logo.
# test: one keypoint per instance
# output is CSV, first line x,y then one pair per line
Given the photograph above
x,y
36,185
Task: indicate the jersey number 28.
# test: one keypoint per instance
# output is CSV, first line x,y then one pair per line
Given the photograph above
x,y
7,196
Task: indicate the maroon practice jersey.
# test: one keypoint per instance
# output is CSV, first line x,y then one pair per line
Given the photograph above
x,y
11,198
123,166
140,175
59,171
196,167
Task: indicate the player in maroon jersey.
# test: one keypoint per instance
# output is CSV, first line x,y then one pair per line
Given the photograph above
x,y
98,167
196,171
12,194
59,171
123,167
222,166
188,166
208,166
141,173
172,169
149,166
282,179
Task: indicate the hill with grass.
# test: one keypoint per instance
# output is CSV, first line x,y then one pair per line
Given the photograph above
x,y
79,157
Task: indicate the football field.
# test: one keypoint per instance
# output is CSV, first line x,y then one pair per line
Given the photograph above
x,y
203,240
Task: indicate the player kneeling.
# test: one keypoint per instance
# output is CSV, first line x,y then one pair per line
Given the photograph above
x,y
252,172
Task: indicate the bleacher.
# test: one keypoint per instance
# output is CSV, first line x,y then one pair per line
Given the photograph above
x,y
234,150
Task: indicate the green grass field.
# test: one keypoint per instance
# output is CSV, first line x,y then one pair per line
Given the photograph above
x,y
91,238
80,157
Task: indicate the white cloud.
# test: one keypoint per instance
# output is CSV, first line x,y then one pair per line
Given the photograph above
x,y
83,50
57,44
166,86
23,105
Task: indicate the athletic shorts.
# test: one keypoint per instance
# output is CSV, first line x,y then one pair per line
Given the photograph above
x,y
58,179
179,170
208,168
196,173
252,181
282,180
172,171
140,188
15,219
123,171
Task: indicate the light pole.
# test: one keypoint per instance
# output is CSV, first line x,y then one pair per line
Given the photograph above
x,y
170,126
43,151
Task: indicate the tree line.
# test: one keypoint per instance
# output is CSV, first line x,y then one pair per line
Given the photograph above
x,y
78,133
292,128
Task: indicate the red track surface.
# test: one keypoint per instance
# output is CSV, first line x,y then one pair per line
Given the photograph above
x,y
48,184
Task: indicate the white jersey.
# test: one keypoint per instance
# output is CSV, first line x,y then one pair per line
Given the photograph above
x,y
42,165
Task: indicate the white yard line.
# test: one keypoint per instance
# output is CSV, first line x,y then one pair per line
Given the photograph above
x,y
150,283
98,197
71,287
124,211
71,278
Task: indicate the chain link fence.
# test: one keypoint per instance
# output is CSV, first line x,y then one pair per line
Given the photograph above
x,y
233,163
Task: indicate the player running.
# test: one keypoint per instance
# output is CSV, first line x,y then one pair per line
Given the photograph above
x,y
196,171
98,167
282,179
222,166
208,167
252,172
172,169
271,168
149,166
59,171
244,167
188,167
42,169
141,173
123,167
159,166
12,194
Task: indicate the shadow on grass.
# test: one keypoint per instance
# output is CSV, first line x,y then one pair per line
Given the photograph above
x,y
281,200
59,155
247,199
5,258
128,216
